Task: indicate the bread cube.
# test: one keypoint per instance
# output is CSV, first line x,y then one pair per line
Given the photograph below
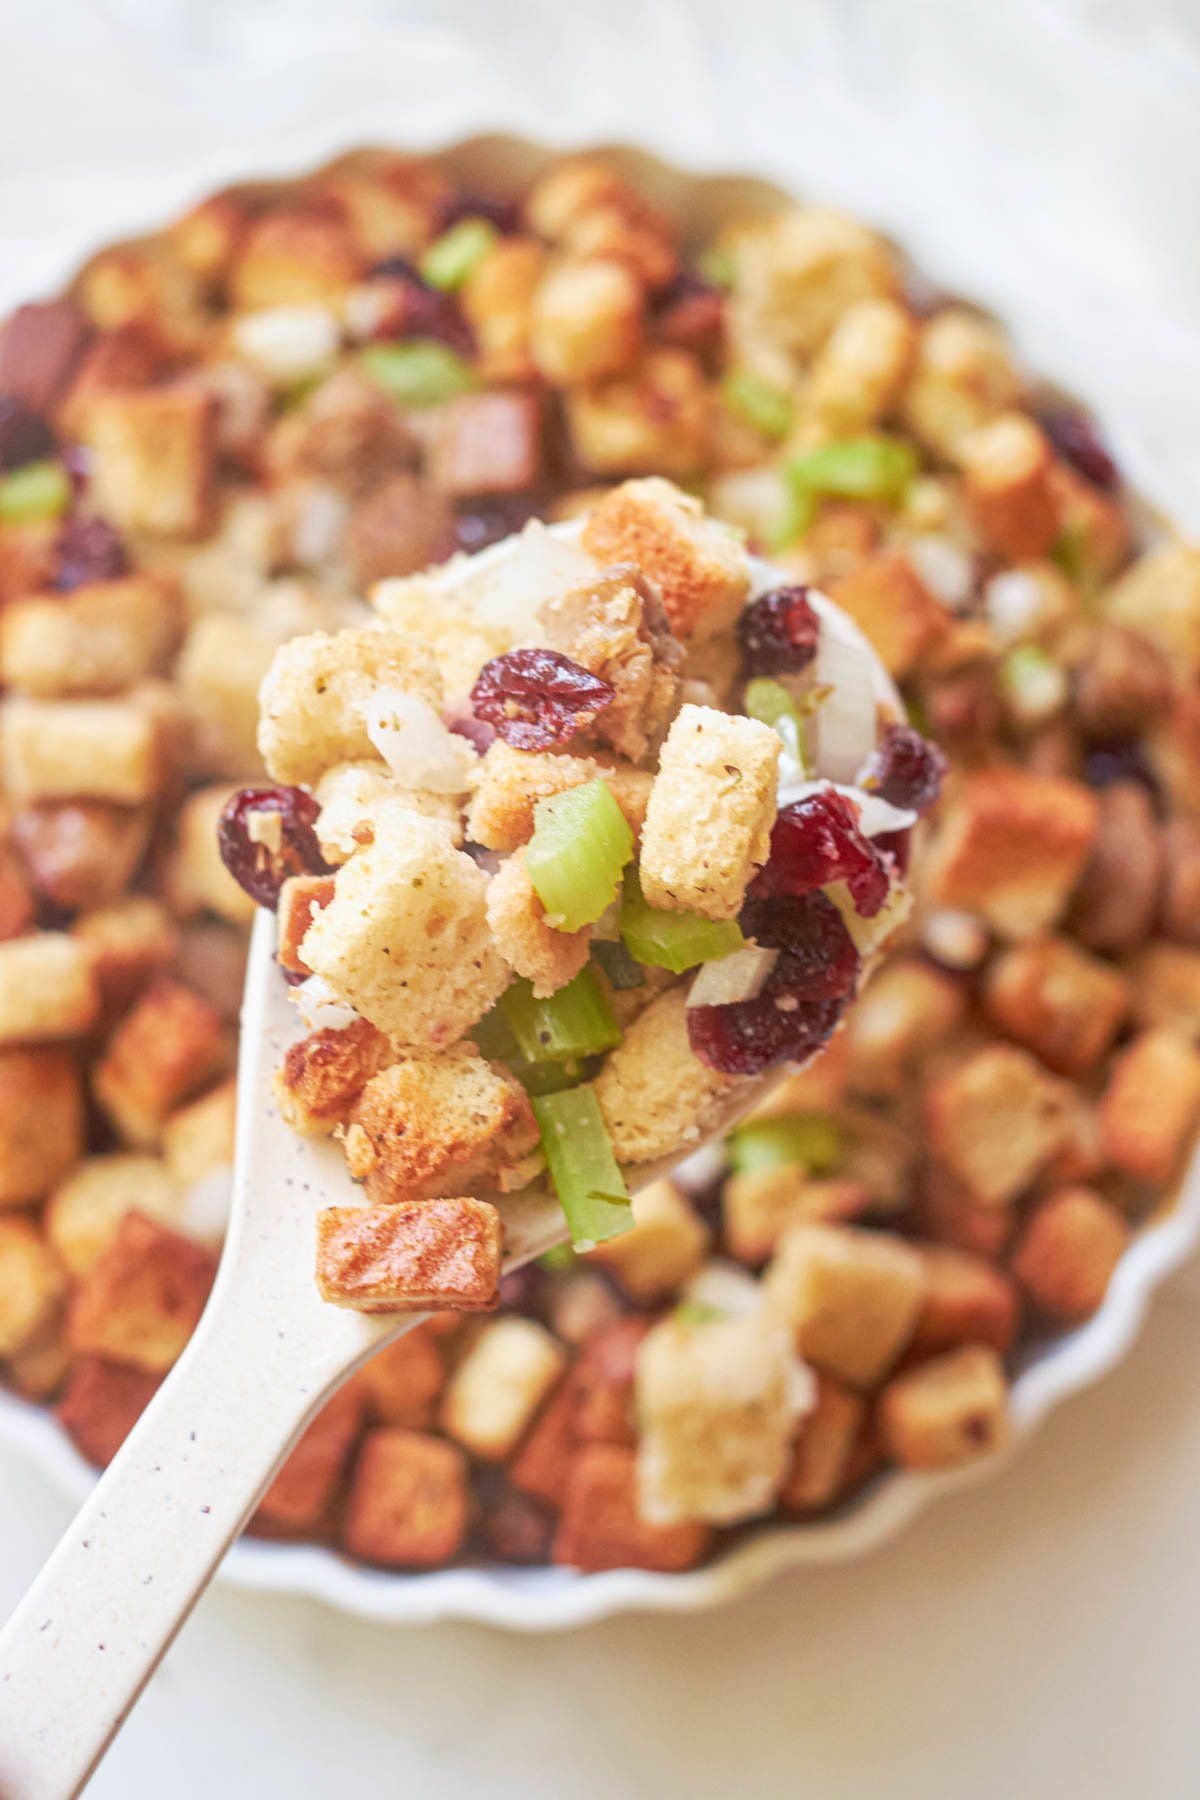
x,y
799,270
99,639
1118,895
397,528
1122,685
127,359
602,1381
102,1404
821,1455
894,608
205,238
948,1411
509,783
1149,1108
667,1243
32,1284
499,1385
1158,596
963,379
489,443
323,1075
860,369
196,879
948,1213
1011,848
405,938
601,1525
616,628
656,418
408,1500
41,1122
1057,1001
1008,487
155,460
143,284
294,254
699,566
316,689
1164,988
354,796
199,1137
347,432
84,1213
299,1497
442,1254
708,824
902,1012
654,1094
543,1462
160,1054
142,1298
967,1301
80,750
80,853
403,1381
223,664
300,898
995,1119
758,1206
851,1297
1068,1251
497,302
547,958
586,321
40,347
47,988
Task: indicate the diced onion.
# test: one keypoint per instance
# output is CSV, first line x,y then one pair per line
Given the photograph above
x,y
1013,602
869,934
318,525
945,568
320,1007
288,344
415,744
732,978
845,718
725,1287
509,591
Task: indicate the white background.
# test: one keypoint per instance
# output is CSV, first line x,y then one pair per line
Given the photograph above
x,y
1039,1637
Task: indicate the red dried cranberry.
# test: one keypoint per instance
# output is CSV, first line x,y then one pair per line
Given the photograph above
x,y
690,312
817,840
778,633
422,311
536,698
260,868
25,436
1079,443
486,522
88,549
906,769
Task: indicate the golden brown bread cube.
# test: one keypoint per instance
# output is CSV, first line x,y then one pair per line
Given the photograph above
x,y
822,1451
1057,1001
967,1301
758,1205
497,302
84,1213
963,379
167,1047
698,565
995,1119
403,1381
129,942
219,672
948,1411
435,1254
48,988
101,638
1068,1250
654,1094
81,750
299,898
142,1298
408,1500
946,1212
586,321
798,270
1008,487
859,370
143,284
508,785
299,1497
903,1011
39,1370
1164,987
497,1388
41,1122
1122,684
1149,1108
542,1465
32,1284
195,878
666,1244
1159,597
313,696
17,904
323,1075
656,418
199,1137
602,1528
547,958
102,1404
80,852
852,1298
889,601
292,255
155,459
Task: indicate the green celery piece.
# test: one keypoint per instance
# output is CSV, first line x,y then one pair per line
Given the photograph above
x,y
863,468
579,1156
494,1037
618,965
41,490
698,1312
577,1021
549,1077
672,940
797,517
766,409
560,1259
451,260
718,267
770,703
581,842
1030,679
811,1140
420,372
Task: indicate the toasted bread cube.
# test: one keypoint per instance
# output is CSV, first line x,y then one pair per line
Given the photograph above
x,y
1057,1001
354,796
84,1213
964,379
160,1054
347,432
323,1075
427,1126
517,920
403,1381
1068,1251
196,879
948,1213
32,1284
698,565
1164,988
758,1206
602,1528
586,321
127,359
995,1119
18,905
800,269
667,1243
615,627
851,1297
314,694
142,1298
906,1009
499,1385
1011,848
708,824
223,664
143,284
102,1404
40,347
1122,685
99,639
155,459
442,1254
80,852
488,443
967,1301
654,1094
859,369
1159,597
1008,487
80,750
47,988
40,1369
205,238
543,1463
405,938
299,1497
509,785
822,1452
408,1500
294,255
397,528
199,1137
497,302
1149,1108
894,608
128,943
603,1382
1118,895
948,1411
300,899
716,1404
41,1122
656,417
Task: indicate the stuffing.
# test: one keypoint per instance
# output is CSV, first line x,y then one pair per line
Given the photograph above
x,y
822,1451
758,1206
41,1122
48,988
859,369
499,1385
966,1301
585,321
300,1496
851,1297
547,958
161,1053
84,1213
223,664
616,628
80,750
79,853
602,1527
142,1298
294,256
300,898
666,1244
101,1405
18,905
948,1411
403,1382
199,1137
143,284
155,459
963,380
1150,1105
798,271
1007,485
1057,1001
442,1254
313,697
947,1212
32,1284
902,1012
1068,1250
487,444
497,302
698,565
1122,684
509,783
195,877
897,613
654,1095
103,637
1158,597
995,1119
353,796
1117,895
347,432
323,1075
408,1500
658,417
1164,988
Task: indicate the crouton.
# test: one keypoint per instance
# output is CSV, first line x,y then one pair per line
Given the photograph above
x,y
894,608
963,379
353,796
402,1382
499,1385
80,853
1008,489
408,1500
616,628
129,358
1158,596
1068,1250
586,321
543,1462
160,1054
708,824
300,898
1116,898
995,1119
32,1284
40,347
698,566
601,1525
1164,988
821,1455
322,1076
799,270
205,238
1011,848
758,1206
428,1126
654,1094
859,369
497,303
716,1404
48,988
84,1213
409,1258
603,1383
102,1404
195,878
508,787
294,255
199,1137
143,284
101,638
142,1298
1122,685
221,667
666,1244
1057,1001
907,1008
1150,1105
657,417
851,1297
299,1497
41,1367
405,938
155,459
314,695
966,1301
41,1122
399,527
488,443
948,1213
547,958
80,750
948,1411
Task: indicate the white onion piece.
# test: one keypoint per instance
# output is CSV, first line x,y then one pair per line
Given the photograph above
x,y
725,1287
508,592
876,816
738,976
699,1170
288,344
415,744
869,934
204,1214
1013,603
845,720
320,1007
318,525
945,568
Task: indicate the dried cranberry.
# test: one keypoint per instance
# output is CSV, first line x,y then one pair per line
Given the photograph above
x,y
468,203
1079,443
778,633
422,311
906,769
521,1289
690,312
817,840
536,698
486,522
25,436
88,549
262,868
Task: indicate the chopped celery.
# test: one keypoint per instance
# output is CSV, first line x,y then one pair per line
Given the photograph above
x,y
795,519
672,940
581,842
494,1037
577,1021
766,409
812,1140
579,1156
718,267
420,372
698,1312
549,1077
618,965
559,1260
41,490
449,262
1033,684
770,702
864,468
